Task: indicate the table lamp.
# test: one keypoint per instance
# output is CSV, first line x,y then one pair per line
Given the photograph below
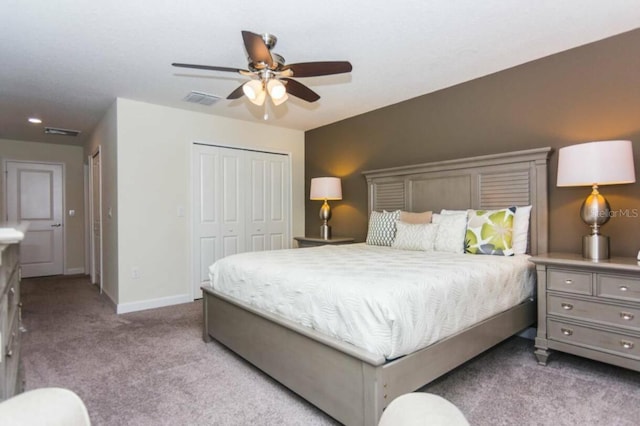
x,y
595,164
325,188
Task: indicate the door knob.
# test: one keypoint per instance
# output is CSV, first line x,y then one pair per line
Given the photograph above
x,y
56,225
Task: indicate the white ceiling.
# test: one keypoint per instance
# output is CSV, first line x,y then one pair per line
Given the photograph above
x,y
67,60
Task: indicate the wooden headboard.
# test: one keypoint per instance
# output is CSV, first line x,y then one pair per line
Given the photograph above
x,y
495,181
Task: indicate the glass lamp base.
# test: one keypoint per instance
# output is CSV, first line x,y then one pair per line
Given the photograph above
x,y
595,247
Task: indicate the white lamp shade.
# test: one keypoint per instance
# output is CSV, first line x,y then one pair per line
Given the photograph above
x,y
276,89
254,91
326,188
279,101
596,163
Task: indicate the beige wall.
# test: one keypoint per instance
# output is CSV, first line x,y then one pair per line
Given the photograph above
x,y
105,138
154,180
71,157
584,94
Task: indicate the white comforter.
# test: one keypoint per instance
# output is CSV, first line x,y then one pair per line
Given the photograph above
x,y
387,301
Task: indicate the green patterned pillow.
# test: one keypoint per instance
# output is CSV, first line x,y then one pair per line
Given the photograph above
x,y
490,232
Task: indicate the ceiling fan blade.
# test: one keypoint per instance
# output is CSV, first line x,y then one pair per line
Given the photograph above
x,y
238,93
256,48
208,67
299,90
313,69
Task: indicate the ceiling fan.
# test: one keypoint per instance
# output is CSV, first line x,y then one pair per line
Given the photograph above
x,y
270,75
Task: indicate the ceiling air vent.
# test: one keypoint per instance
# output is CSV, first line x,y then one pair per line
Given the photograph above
x,y
61,132
201,98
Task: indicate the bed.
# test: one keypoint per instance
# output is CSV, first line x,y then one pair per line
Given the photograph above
x,y
354,384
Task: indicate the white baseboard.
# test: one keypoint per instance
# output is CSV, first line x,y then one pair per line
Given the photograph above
x,y
123,308
74,271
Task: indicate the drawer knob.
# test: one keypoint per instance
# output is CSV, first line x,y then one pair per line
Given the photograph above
x,y
566,331
568,281
624,288
628,316
626,344
12,291
567,306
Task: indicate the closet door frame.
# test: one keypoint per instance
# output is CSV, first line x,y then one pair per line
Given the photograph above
x,y
199,265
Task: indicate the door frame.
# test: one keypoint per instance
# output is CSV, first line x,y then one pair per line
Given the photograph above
x,y
91,251
63,188
191,192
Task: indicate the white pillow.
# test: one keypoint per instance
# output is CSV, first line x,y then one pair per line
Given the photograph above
x,y
415,236
445,211
521,229
451,232
382,228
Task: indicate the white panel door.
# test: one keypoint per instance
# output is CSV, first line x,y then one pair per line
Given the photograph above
x,y
207,210
96,221
34,194
232,177
278,207
268,201
257,201
241,202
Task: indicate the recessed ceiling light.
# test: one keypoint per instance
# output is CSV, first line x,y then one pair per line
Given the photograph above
x,y
35,120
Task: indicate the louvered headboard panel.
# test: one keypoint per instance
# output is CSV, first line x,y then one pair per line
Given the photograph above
x,y
498,190
389,195
487,182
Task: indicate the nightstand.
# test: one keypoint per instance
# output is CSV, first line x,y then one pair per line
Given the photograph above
x,y
589,308
313,241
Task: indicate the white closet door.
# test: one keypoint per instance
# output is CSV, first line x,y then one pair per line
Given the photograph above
x,y
207,210
268,201
232,202
241,202
257,202
278,202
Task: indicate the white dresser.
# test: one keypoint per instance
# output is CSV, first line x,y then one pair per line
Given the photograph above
x,y
11,377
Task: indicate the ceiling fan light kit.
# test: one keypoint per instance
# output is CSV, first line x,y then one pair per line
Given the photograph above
x,y
270,75
254,91
276,89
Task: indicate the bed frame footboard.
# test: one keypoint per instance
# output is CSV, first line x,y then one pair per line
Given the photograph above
x,y
351,385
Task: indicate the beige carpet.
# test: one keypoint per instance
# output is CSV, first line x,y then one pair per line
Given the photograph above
x,y
152,368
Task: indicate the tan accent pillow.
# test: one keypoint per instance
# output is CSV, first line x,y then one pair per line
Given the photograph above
x,y
415,218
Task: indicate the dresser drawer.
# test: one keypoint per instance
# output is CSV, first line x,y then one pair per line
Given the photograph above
x,y
13,292
12,358
594,311
618,287
569,281
605,341
9,261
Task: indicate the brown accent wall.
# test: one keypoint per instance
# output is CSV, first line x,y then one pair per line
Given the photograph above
x,y
588,93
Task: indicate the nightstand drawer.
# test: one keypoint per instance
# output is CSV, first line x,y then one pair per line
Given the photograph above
x,y
605,341
594,311
569,281
618,287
